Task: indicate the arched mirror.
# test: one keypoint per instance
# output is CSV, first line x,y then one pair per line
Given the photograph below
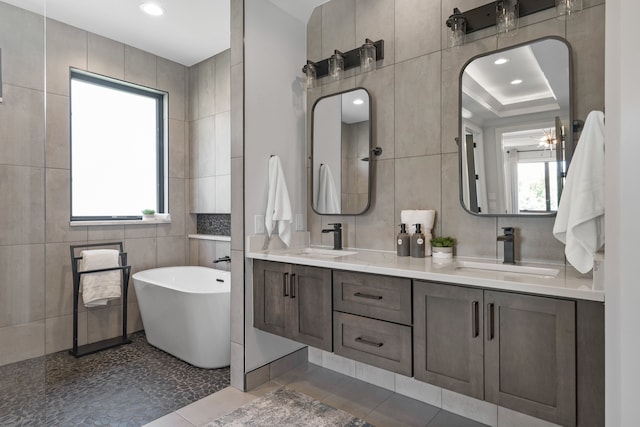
x,y
341,153
515,138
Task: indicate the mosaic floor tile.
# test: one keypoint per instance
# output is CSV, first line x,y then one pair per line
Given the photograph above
x,y
129,385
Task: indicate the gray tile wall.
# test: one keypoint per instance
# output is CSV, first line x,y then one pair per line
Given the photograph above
x,y
209,120
35,271
415,101
237,194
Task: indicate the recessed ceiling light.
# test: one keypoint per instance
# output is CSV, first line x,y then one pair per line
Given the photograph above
x,y
516,82
501,61
358,101
152,9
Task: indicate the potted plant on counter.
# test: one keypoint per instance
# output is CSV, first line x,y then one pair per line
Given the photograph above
x,y
442,247
148,214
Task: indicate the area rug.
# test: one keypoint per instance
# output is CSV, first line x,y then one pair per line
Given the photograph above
x,y
286,407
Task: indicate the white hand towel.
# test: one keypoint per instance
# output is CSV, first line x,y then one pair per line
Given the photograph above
x,y
98,288
327,201
580,219
278,203
423,217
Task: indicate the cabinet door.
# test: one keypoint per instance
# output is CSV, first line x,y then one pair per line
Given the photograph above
x,y
447,337
530,360
270,287
309,306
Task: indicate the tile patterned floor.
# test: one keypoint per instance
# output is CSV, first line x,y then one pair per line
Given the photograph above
x,y
126,386
375,405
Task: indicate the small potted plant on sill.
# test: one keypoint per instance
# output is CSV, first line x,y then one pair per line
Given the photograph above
x,y
148,214
442,247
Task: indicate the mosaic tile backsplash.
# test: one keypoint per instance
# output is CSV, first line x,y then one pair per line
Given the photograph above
x,y
218,224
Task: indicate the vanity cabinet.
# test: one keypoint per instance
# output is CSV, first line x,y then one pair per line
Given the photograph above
x,y
448,338
517,351
293,301
530,355
372,320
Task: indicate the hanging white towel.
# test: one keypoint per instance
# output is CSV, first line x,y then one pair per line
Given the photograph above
x,y
278,203
580,219
98,288
327,201
423,217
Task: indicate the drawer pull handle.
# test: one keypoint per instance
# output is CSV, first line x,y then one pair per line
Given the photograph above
x,y
368,296
367,342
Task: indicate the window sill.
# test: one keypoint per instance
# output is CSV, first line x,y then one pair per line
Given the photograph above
x,y
120,222
210,237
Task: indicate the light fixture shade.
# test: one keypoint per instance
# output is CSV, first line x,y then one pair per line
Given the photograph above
x,y
566,9
367,57
309,71
507,14
336,65
458,25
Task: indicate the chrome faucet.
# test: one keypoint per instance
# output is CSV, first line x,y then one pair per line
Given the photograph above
x,y
509,245
337,235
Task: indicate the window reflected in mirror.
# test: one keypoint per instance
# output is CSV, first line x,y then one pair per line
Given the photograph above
x,y
515,113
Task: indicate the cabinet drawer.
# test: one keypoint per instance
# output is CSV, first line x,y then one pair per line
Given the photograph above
x,y
382,344
381,297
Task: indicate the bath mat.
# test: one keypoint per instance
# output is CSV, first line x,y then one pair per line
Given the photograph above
x,y
286,407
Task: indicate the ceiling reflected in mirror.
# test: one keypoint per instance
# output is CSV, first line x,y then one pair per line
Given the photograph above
x,y
515,138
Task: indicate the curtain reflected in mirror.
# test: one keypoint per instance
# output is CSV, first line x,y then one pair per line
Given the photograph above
x,y
515,113
340,152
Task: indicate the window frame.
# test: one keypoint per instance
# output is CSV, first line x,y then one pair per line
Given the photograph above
x,y
162,133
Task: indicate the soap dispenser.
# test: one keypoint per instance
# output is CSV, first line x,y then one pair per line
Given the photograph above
x,y
417,243
403,243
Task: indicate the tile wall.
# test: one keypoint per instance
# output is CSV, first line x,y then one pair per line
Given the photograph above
x,y
209,121
35,235
415,102
237,196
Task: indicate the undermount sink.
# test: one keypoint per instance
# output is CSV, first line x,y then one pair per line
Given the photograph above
x,y
507,268
322,253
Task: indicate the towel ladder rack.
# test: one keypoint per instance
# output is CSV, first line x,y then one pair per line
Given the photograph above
x,y
79,351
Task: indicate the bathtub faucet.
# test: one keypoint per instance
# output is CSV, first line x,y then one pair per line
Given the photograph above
x,y
225,258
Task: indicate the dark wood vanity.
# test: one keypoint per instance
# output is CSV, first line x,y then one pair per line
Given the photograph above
x,y
539,355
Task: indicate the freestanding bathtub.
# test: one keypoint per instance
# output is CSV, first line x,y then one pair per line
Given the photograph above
x,y
186,312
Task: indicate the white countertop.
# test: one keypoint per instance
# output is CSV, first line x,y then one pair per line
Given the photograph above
x,y
568,283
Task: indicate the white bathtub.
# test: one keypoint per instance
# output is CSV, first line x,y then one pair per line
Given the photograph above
x,y
186,312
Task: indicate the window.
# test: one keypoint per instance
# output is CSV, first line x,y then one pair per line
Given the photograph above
x,y
118,158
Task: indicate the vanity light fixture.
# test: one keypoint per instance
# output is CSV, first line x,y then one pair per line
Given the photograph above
x,y
350,59
336,65
367,56
152,9
309,71
487,15
458,24
507,17
567,9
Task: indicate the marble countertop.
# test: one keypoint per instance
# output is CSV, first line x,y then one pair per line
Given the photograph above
x,y
568,283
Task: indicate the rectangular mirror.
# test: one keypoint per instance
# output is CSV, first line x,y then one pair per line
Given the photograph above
x,y
515,138
340,153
